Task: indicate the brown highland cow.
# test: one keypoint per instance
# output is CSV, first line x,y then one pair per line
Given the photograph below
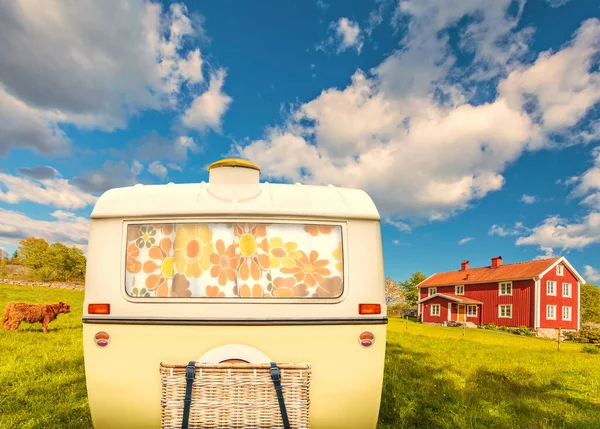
x,y
17,312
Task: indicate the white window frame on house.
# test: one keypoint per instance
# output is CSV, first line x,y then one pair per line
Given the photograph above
x,y
459,290
553,307
548,283
560,270
569,293
503,288
471,313
431,312
506,315
570,310
430,289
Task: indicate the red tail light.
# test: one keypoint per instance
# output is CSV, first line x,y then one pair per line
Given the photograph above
x,y
369,308
102,339
99,308
366,339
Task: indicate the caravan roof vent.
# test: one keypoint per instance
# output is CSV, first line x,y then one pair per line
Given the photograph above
x,y
233,171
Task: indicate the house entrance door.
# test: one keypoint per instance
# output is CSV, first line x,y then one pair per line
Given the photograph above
x,y
461,313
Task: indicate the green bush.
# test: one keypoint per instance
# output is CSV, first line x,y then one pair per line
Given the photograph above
x,y
590,336
491,326
593,350
521,330
44,274
590,325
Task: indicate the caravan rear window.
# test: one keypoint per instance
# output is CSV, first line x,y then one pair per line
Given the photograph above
x,y
234,260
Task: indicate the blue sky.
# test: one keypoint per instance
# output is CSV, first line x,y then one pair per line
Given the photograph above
x,y
473,125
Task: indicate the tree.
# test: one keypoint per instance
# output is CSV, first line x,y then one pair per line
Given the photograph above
x,y
590,303
34,252
393,292
409,287
15,258
77,262
67,263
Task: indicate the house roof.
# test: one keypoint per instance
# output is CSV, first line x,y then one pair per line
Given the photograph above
x,y
518,270
452,297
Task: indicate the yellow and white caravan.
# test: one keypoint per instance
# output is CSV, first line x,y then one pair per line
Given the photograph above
x,y
234,271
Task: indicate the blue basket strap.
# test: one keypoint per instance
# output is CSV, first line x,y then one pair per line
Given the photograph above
x,y
190,374
276,376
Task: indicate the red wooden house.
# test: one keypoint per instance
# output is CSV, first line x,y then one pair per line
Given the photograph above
x,y
540,294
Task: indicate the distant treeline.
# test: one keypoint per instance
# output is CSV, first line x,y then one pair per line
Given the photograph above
x,y
46,262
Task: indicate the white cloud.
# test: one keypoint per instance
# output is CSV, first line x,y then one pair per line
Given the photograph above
x,y
591,274
528,199
56,191
68,228
401,226
557,3
40,172
154,147
502,231
175,167
60,65
208,109
497,230
158,170
558,233
322,5
548,253
346,35
588,184
559,86
465,240
376,16
407,132
396,242
430,168
490,38
28,127
111,175
349,35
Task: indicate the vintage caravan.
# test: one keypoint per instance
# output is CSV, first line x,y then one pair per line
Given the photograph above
x,y
234,272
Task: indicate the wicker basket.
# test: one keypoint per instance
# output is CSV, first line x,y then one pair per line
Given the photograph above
x,y
235,395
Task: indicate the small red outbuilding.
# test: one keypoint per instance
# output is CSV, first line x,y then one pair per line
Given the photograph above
x,y
540,294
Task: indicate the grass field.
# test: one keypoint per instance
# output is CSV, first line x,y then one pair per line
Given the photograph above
x,y
435,377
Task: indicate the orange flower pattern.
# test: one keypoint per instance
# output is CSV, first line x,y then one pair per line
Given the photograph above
x,y
309,269
315,230
337,256
224,262
234,260
160,267
253,247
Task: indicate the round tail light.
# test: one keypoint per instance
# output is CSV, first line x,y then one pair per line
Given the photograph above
x,y
366,339
102,339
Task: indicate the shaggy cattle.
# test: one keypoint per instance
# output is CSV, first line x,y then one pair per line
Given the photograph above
x,y
17,312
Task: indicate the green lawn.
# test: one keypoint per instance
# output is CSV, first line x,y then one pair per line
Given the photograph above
x,y
42,378
435,377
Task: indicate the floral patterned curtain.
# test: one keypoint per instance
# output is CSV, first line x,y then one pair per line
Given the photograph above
x,y
209,260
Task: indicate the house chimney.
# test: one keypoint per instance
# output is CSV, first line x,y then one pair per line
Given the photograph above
x,y
496,261
464,265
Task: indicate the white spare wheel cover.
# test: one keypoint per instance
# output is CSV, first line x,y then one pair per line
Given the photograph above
x,y
234,351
